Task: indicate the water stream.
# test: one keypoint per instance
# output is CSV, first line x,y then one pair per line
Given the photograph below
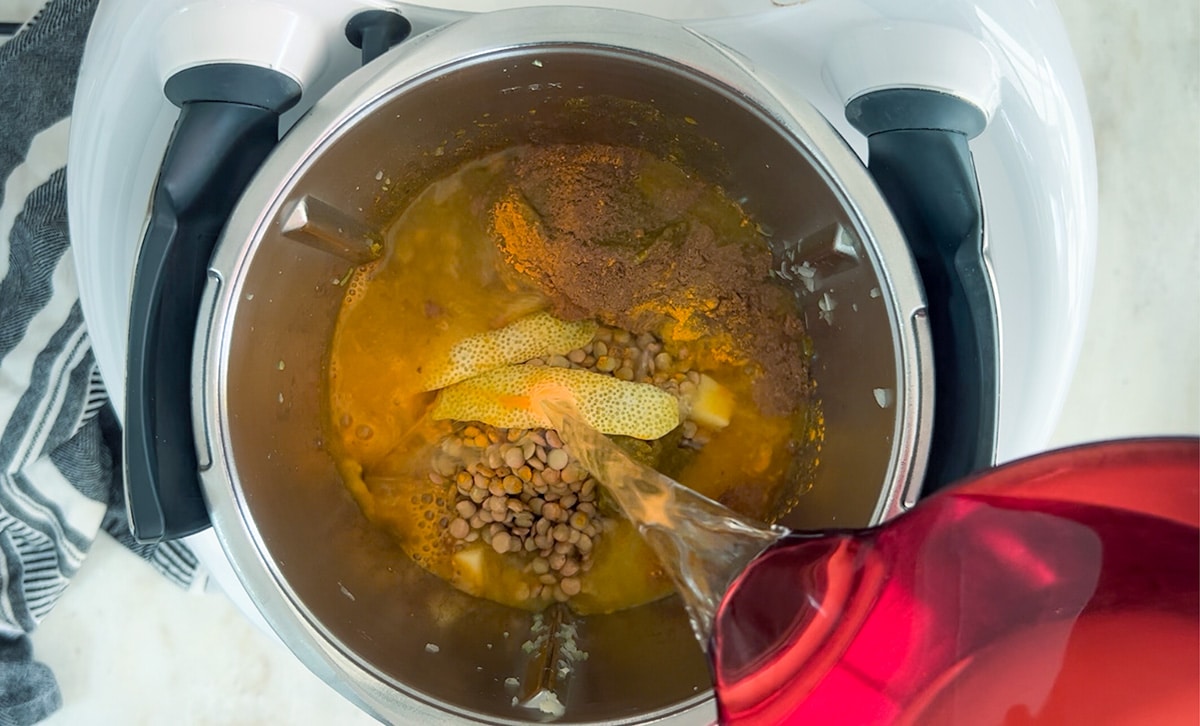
x,y
703,544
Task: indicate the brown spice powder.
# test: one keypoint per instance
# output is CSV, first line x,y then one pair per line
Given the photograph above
x,y
582,222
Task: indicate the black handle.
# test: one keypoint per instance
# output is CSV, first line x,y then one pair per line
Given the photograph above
x,y
375,32
228,123
920,159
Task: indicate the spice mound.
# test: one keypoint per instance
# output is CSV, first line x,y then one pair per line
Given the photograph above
x,y
592,224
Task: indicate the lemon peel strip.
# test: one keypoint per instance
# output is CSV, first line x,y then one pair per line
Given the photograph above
x,y
505,397
533,336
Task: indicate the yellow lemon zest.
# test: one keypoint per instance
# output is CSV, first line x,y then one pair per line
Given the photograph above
x,y
533,336
505,397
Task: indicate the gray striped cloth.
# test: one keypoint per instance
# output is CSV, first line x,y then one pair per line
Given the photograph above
x,y
59,439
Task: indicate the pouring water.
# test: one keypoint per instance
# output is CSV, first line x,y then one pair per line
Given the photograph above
x,y
1025,593
703,544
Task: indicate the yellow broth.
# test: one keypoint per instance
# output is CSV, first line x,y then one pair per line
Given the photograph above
x,y
440,280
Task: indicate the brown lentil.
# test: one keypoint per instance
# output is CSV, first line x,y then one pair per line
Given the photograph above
x,y
513,458
557,459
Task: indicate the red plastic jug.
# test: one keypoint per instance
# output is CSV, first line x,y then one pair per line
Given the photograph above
x,y
1061,589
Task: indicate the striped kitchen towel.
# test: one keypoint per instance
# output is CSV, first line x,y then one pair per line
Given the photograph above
x,y
59,480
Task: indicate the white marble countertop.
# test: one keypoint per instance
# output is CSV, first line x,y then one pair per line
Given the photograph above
x,y
128,648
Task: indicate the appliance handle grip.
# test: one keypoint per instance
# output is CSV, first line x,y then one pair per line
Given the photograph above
x,y
375,32
215,149
919,156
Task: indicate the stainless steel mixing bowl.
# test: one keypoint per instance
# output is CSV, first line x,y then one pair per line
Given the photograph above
x,y
344,596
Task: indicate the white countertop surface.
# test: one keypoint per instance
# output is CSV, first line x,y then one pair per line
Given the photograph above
x,y
129,648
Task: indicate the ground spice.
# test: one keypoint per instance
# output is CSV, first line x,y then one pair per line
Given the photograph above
x,y
615,234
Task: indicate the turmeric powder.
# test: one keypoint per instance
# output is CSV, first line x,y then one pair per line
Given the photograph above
x,y
520,239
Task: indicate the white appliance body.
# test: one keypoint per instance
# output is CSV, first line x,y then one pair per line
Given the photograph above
x,y
1035,161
